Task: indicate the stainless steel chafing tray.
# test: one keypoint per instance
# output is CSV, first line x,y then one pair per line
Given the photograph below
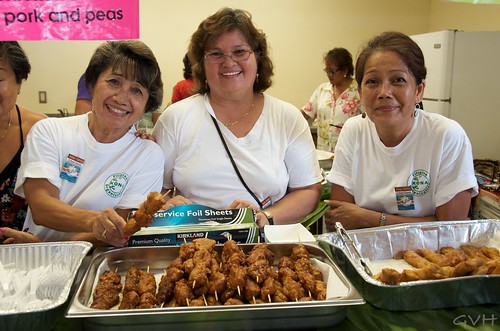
x,y
267,316
384,243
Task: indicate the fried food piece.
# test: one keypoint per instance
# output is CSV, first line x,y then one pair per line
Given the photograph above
x,y
258,270
474,252
199,302
130,300
198,277
299,251
143,216
287,272
251,290
490,252
260,251
388,276
237,277
268,289
308,281
230,247
285,261
233,301
454,256
437,258
416,260
183,293
186,250
130,296
468,267
106,293
212,301
216,283
320,291
293,289
433,271
165,290
204,244
131,279
203,257
146,288
488,268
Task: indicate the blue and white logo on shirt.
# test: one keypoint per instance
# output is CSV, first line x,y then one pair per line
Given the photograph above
x,y
115,184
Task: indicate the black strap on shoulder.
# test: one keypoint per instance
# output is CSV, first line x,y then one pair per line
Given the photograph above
x,y
234,163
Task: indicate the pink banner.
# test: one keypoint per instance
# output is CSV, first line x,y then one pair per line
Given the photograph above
x,y
69,19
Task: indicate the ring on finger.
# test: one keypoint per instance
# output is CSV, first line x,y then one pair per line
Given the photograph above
x,y
103,234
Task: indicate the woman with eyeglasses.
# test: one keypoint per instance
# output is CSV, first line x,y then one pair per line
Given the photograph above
x,y
334,102
268,139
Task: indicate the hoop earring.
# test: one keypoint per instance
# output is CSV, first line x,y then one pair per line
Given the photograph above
x,y
417,108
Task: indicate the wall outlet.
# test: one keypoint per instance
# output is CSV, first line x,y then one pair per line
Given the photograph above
x,y
42,96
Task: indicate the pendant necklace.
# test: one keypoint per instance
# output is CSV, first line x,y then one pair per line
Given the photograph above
x,y
10,122
241,118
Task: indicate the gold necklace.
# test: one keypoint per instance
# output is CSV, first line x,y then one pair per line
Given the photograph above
x,y
8,126
241,118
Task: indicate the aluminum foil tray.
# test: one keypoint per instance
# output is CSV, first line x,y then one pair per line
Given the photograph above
x,y
30,256
384,243
267,316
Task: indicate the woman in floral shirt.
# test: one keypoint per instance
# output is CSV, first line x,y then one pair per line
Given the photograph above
x,y
334,102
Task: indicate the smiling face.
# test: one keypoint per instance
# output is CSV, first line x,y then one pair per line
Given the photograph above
x,y
118,103
389,92
231,78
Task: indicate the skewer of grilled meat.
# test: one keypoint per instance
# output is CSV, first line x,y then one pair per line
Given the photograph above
x,y
106,293
143,216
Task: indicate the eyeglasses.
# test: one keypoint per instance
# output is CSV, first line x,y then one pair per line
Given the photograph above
x,y
236,55
330,73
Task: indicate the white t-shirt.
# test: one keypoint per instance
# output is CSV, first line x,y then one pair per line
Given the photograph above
x,y
96,176
426,170
276,154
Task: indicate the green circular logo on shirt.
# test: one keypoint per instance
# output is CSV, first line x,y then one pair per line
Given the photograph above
x,y
420,182
115,184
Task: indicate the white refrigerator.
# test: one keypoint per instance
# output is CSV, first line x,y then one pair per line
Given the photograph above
x,y
463,83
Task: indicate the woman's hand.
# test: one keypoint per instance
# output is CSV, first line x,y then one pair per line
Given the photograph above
x,y
178,200
349,214
17,237
143,134
236,204
108,227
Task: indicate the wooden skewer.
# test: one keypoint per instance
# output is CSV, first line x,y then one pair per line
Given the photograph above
x,y
205,299
239,291
257,280
165,195
216,298
254,302
185,241
194,283
310,295
187,302
269,297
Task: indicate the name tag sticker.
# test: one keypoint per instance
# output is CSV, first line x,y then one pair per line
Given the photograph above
x,y
71,168
404,198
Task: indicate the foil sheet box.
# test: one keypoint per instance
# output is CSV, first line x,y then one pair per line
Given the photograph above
x,y
187,222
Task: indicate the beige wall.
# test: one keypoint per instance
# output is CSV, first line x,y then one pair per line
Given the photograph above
x,y
299,33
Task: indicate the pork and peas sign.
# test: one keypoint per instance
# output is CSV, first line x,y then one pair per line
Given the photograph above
x,y
69,19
